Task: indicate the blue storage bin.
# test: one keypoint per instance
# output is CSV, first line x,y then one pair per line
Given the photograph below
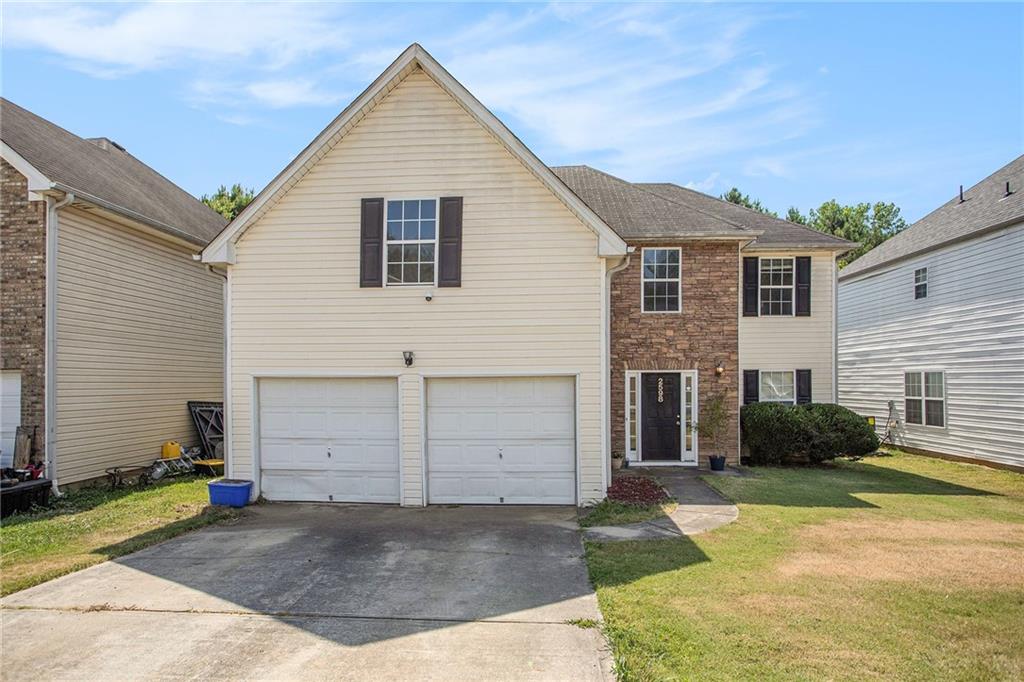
x,y
230,492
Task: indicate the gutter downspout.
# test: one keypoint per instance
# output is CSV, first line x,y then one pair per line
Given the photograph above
x,y
606,370
225,362
50,361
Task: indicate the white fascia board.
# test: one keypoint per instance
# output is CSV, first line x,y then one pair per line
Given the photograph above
x,y
609,245
38,183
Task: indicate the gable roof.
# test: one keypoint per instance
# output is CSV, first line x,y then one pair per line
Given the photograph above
x,y
775,233
221,249
985,207
100,171
636,213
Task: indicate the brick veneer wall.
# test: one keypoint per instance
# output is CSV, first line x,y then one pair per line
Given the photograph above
x,y
705,333
23,294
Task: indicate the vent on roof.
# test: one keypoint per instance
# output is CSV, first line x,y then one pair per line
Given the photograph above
x,y
961,194
1008,190
105,143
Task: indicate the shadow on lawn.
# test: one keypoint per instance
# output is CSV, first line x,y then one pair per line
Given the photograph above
x,y
838,486
621,563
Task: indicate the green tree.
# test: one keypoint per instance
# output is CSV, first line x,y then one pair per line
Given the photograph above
x,y
867,224
229,202
794,215
735,196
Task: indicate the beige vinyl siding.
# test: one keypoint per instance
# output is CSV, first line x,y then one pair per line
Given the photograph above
x,y
970,326
139,333
784,343
530,300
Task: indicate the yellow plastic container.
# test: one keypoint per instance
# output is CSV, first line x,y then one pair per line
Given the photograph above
x,y
171,450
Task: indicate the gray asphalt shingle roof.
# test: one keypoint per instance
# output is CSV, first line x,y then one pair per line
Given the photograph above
x,y
107,173
637,214
648,210
985,206
775,232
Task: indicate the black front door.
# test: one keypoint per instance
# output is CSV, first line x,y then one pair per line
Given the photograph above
x,y
660,414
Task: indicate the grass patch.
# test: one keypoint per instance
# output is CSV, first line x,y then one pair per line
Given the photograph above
x,y
899,567
583,623
92,525
611,513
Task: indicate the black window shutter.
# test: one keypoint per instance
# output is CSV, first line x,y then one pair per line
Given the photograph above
x,y
449,242
371,246
803,386
751,386
750,276
803,286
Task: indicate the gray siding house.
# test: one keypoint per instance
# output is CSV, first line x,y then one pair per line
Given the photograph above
x,y
931,327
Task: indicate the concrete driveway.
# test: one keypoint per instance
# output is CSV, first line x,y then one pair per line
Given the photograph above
x,y
317,591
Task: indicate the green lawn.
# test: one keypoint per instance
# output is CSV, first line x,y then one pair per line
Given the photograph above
x,y
92,525
611,513
898,567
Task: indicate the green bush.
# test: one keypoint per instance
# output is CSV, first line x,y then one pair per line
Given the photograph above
x,y
783,434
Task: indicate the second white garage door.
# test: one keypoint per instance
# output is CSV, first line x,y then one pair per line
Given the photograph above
x,y
329,440
501,441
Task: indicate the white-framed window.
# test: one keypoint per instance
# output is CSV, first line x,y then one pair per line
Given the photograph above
x,y
660,281
777,387
410,243
775,293
632,400
921,283
924,398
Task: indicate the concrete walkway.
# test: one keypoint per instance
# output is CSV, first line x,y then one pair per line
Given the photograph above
x,y
700,509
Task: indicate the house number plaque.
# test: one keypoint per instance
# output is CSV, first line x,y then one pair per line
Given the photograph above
x,y
661,390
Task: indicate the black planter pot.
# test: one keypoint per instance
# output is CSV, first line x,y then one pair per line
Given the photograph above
x,y
717,462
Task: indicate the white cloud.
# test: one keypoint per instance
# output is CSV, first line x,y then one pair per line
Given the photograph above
x,y
707,185
289,93
109,41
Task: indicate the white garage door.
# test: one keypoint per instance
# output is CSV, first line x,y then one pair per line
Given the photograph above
x,y
329,440
10,413
501,441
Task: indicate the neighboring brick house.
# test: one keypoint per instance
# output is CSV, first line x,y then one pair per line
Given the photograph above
x,y
715,300
108,323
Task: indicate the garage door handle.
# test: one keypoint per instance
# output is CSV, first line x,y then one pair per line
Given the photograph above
x,y
328,453
500,456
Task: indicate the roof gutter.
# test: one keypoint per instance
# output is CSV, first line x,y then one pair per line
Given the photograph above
x,y
127,212
50,361
928,249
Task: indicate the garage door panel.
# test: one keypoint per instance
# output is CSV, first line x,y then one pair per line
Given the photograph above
x,y
464,489
531,420
329,439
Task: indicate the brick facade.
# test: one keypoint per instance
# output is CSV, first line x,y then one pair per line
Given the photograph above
x,y
23,294
705,333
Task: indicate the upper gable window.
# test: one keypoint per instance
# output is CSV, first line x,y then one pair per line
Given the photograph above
x,y
661,283
411,243
776,290
921,283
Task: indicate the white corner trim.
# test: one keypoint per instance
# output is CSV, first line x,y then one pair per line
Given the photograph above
x,y
37,182
609,243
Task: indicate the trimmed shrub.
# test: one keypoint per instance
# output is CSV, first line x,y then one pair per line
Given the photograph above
x,y
838,431
783,434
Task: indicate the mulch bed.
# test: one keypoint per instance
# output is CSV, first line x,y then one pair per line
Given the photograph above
x,y
639,491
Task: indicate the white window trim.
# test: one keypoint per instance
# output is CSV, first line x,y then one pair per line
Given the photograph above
x,y
760,376
925,283
792,287
924,397
386,242
678,281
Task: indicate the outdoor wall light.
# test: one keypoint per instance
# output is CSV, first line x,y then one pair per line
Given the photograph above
x,y
719,370
409,357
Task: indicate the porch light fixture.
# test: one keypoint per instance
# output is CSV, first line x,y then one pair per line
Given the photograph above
x,y
409,357
719,370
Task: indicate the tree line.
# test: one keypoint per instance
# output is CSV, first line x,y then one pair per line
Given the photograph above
x,y
865,223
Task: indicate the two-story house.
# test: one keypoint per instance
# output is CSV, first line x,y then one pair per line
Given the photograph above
x,y
931,333
420,311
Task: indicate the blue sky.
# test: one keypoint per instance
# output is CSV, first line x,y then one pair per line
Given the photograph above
x,y
795,104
